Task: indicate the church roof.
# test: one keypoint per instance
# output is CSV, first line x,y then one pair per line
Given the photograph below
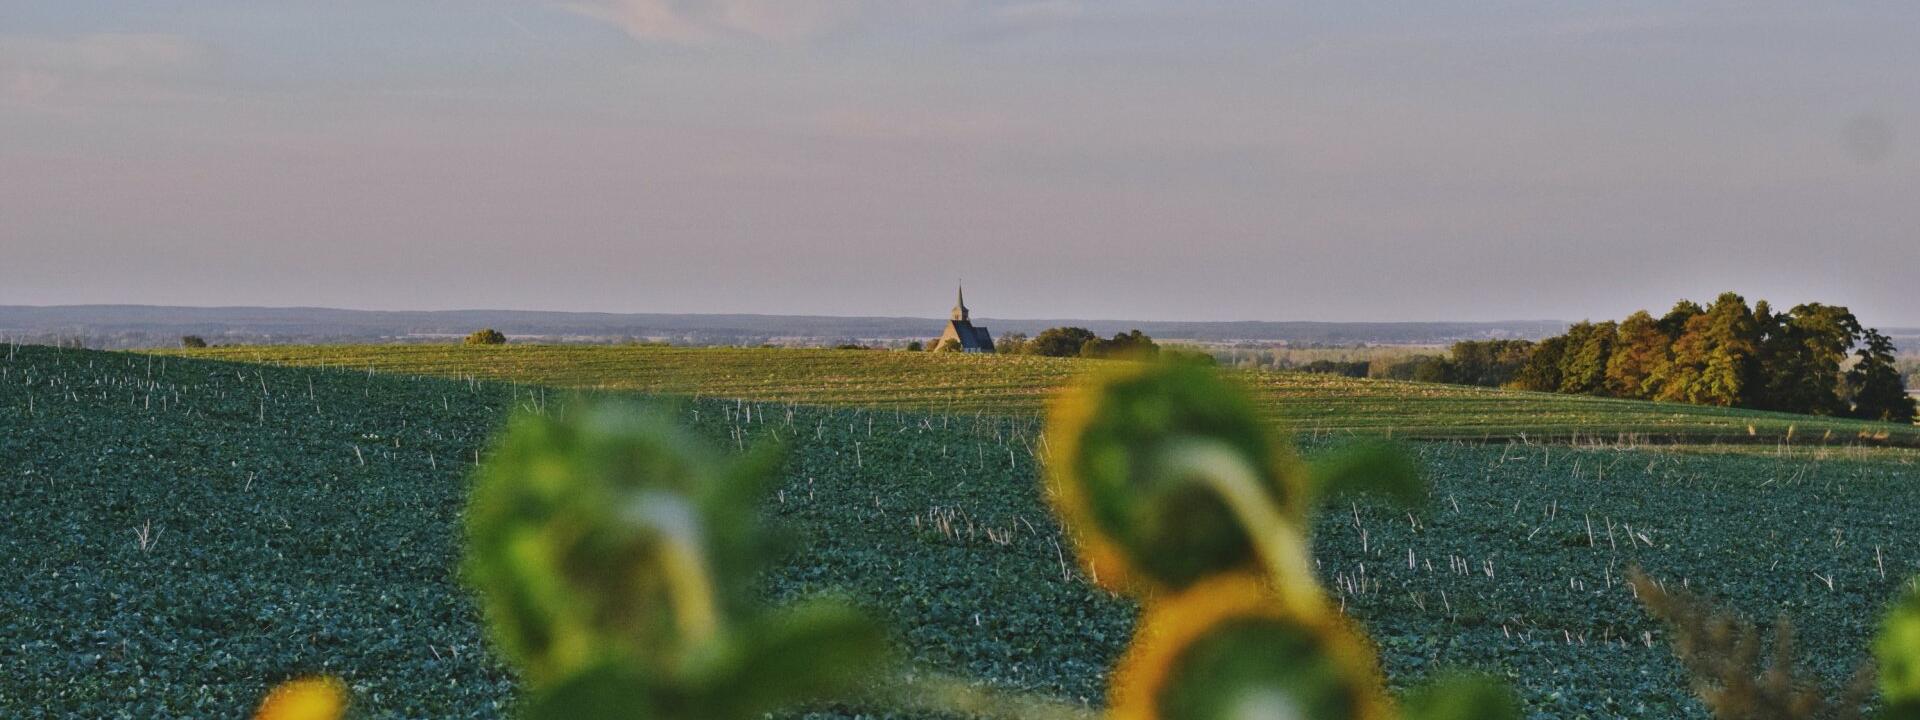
x,y
962,330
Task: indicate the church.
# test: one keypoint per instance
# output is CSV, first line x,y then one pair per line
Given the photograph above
x,y
961,332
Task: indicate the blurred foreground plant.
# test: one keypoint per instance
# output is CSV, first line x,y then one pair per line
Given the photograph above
x,y
1723,654
615,556
1174,490
320,698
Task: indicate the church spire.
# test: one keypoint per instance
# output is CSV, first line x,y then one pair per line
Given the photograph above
x,y
960,305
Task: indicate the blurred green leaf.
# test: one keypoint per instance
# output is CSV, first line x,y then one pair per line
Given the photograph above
x,y
1462,697
815,651
606,690
1369,467
1897,649
1902,711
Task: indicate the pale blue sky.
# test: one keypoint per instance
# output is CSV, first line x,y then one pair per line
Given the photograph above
x,y
1070,158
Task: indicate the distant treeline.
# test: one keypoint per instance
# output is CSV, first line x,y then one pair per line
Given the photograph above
x,y
1813,359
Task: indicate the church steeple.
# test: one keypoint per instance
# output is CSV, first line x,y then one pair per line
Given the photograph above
x,y
961,334
960,305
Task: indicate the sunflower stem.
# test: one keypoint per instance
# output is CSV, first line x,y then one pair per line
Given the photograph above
x,y
1281,544
684,560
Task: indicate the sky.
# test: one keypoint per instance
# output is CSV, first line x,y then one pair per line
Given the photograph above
x,y
1133,159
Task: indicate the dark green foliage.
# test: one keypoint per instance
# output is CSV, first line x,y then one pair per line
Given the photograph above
x,y
1800,359
1060,341
488,336
1543,371
1131,345
1462,697
1423,368
1675,321
915,346
1011,344
310,527
1583,370
1353,369
1188,356
1876,386
1488,363
192,341
1727,355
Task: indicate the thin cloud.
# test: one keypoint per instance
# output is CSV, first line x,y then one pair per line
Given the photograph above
x,y
34,68
694,22
703,22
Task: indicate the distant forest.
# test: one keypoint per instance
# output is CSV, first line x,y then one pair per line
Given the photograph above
x,y
1813,359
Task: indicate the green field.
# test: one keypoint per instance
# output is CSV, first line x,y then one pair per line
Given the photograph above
x,y
1311,404
302,520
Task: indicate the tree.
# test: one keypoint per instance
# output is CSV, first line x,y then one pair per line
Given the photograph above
x,y
1060,341
1434,369
1011,344
1422,368
1133,345
1542,371
1490,363
915,346
193,341
1640,347
1355,369
1878,392
488,336
1675,321
1799,368
1710,358
1583,368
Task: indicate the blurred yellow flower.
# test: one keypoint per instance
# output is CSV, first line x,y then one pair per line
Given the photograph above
x,y
1137,459
1898,651
1228,648
317,698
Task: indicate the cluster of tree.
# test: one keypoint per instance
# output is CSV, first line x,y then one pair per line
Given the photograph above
x,y
487,336
1079,342
1473,362
195,342
1814,359
1349,368
1423,368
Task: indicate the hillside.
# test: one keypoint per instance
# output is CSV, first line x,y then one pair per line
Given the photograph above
x,y
182,533
1310,404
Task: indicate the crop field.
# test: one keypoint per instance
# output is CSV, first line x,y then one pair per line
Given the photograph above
x,y
1313,405
183,533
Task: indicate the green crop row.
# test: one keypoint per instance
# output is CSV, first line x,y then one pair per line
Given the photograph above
x,y
960,383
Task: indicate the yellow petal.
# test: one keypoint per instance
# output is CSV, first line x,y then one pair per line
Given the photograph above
x,y
319,698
